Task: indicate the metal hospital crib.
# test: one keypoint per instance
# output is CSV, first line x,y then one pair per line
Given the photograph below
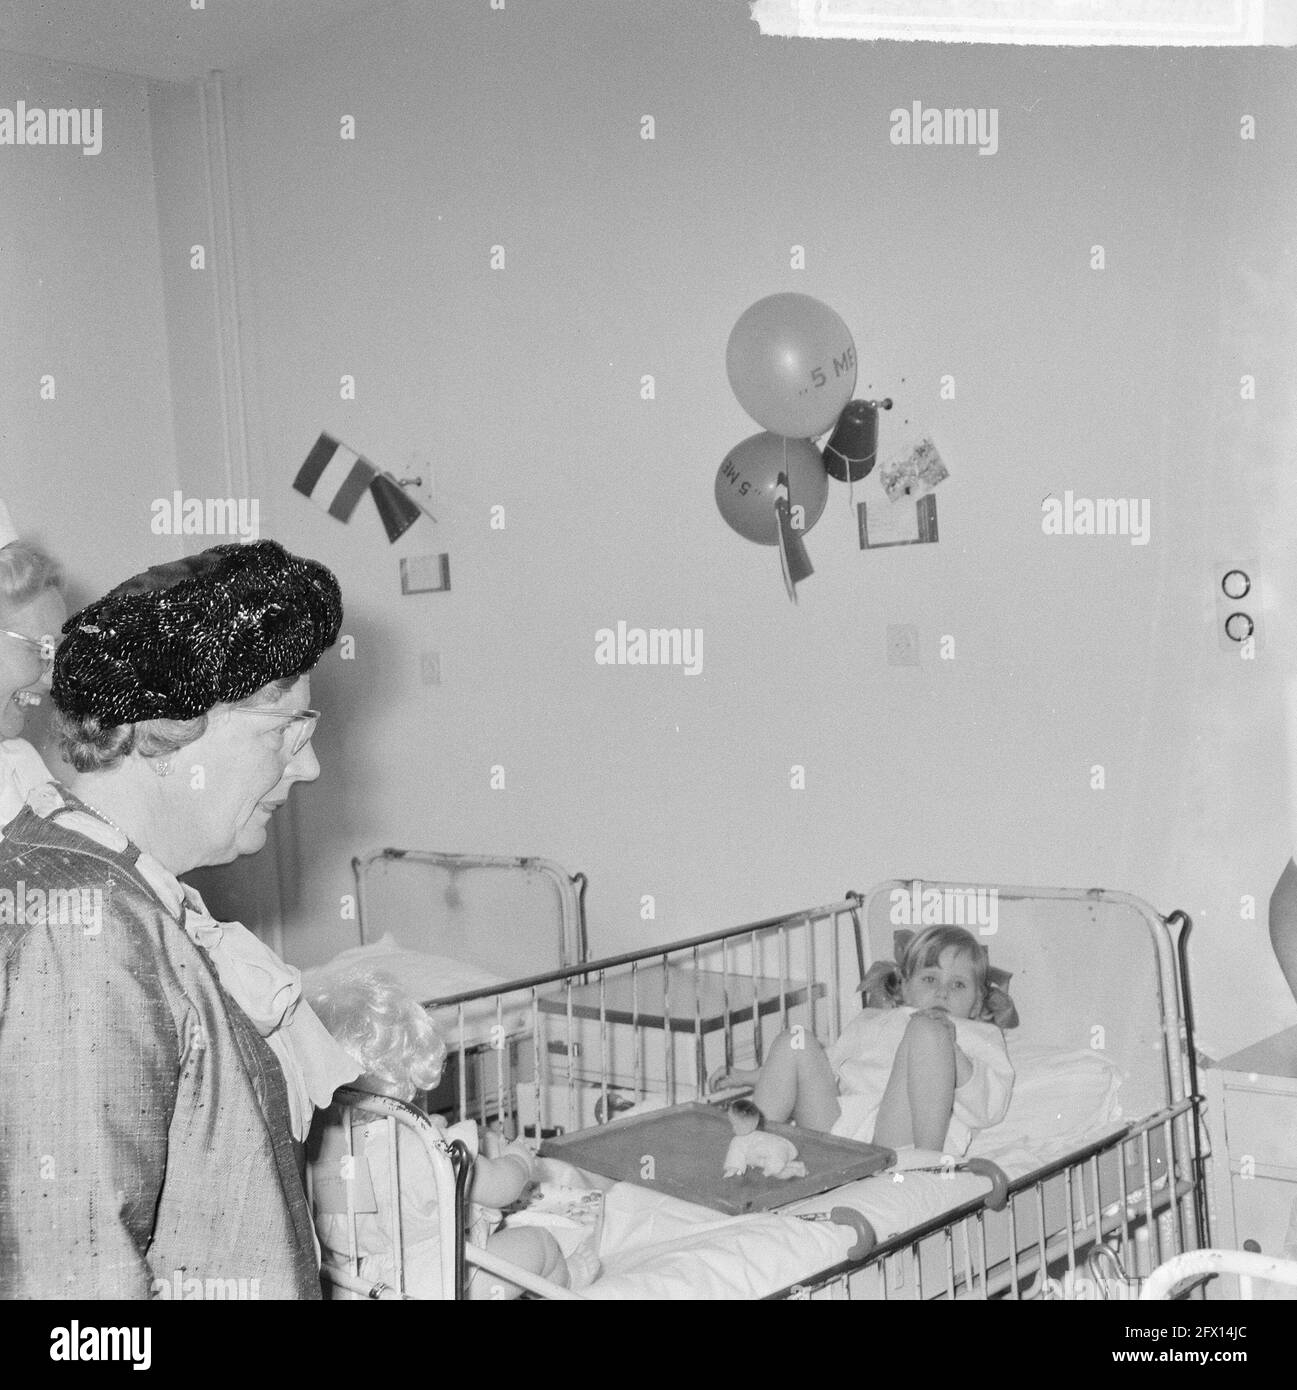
x,y
495,915
1091,968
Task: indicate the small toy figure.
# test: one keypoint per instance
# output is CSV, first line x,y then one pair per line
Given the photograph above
x,y
752,1147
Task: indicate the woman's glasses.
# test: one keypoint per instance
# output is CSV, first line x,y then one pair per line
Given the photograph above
x,y
304,719
45,647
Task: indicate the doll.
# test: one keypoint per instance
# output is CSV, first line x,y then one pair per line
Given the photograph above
x,y
752,1147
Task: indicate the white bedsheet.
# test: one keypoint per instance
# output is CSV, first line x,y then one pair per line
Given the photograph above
x,y
657,1247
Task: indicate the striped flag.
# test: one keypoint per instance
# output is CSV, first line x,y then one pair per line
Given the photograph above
x,y
334,477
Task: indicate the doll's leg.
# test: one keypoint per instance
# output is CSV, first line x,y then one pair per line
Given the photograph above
x,y
796,1082
920,1095
530,1248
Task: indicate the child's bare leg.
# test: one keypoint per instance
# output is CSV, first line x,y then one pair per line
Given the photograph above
x,y
920,1095
528,1247
796,1082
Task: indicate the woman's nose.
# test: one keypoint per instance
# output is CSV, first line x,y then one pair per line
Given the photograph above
x,y
305,766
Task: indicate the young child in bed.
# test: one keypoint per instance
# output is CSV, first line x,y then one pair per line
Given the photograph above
x,y
926,1072
401,1052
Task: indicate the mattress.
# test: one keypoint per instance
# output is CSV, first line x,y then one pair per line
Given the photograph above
x,y
654,1246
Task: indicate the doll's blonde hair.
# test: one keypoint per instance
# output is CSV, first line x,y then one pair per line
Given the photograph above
x,y
383,1028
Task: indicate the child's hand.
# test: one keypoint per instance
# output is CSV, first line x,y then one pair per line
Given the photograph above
x,y
941,1016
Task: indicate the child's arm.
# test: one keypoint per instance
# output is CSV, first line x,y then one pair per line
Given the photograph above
x,y
499,1181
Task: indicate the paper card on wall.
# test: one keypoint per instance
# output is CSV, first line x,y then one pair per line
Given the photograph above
x,y
425,574
907,522
916,469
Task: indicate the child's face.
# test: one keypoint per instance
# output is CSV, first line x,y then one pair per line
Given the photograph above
x,y
951,985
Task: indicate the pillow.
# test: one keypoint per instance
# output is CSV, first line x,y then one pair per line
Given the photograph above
x,y
423,976
1058,1093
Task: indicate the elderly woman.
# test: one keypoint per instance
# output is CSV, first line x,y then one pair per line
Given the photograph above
x,y
31,611
156,1065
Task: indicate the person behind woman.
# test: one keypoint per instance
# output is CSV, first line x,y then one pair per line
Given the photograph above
x,y
31,612
156,1065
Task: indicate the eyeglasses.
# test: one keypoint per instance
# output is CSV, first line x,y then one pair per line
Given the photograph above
x,y
305,719
45,646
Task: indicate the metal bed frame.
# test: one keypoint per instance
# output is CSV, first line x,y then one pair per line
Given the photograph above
x,y
569,942
636,1027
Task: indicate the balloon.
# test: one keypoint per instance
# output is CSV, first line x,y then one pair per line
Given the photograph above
x,y
853,448
745,485
792,364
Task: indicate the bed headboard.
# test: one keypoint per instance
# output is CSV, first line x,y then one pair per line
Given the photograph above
x,y
1091,969
511,917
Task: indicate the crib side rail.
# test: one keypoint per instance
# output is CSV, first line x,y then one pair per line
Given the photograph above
x,y
1077,1227
450,1164
568,1048
605,964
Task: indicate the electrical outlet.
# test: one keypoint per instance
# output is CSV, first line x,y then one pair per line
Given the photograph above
x,y
431,665
902,644
1238,607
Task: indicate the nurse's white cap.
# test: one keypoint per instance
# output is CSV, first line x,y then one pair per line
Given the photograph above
x,y
7,532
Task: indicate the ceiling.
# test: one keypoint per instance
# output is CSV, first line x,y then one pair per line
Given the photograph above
x,y
167,38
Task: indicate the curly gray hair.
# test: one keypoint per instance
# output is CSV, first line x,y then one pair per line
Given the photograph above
x,y
94,747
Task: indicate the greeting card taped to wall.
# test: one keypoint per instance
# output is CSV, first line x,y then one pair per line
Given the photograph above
x,y
908,516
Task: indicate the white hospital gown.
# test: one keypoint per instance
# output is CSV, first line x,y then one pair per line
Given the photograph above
x,y
862,1061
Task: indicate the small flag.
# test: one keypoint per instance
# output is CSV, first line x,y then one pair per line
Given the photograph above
x,y
793,559
334,477
397,511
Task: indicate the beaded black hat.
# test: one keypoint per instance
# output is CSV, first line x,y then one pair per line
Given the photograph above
x,y
209,629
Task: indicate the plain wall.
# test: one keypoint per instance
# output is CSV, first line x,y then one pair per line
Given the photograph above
x,y
521,128
81,299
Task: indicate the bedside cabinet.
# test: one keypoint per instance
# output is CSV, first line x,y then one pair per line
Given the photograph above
x,y
1252,1119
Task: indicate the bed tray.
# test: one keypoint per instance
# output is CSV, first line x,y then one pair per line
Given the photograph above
x,y
680,1151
